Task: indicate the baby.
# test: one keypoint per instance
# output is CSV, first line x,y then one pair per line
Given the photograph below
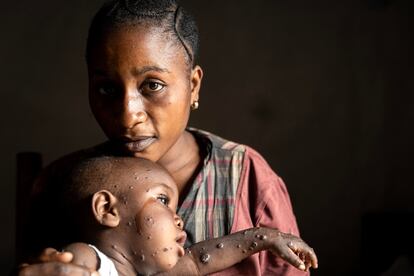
x,y
131,226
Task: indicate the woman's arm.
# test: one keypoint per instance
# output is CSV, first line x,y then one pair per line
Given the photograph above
x,y
217,254
263,200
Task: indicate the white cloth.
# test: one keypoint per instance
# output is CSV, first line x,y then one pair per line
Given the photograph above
x,y
107,266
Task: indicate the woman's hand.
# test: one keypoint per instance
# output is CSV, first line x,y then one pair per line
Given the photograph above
x,y
293,250
54,263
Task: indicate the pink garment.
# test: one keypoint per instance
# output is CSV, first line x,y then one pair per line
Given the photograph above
x,y
262,200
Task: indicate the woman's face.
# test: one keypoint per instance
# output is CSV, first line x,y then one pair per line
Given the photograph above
x,y
141,89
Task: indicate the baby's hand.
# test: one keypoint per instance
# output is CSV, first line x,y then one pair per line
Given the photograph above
x,y
293,250
54,263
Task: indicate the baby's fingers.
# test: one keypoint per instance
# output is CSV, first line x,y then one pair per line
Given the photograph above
x,y
305,253
289,256
54,269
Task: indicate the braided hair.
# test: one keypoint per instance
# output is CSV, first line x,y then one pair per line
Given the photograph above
x,y
167,14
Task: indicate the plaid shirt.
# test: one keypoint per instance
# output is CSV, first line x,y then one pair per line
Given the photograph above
x,y
236,189
208,208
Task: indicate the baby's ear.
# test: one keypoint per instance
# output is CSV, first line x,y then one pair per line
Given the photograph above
x,y
104,207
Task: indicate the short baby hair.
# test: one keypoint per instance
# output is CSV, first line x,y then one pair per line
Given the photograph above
x,y
85,177
166,14
90,175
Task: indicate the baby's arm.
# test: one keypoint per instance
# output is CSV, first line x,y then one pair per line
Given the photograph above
x,y
83,255
220,253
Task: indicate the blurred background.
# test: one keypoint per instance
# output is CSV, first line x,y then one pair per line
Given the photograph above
x,y
322,89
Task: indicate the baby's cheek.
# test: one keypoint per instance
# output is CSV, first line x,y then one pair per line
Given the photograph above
x,y
149,222
149,225
141,224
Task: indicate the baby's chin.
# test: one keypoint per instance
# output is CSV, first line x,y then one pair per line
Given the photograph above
x,y
169,262
161,260
161,263
172,262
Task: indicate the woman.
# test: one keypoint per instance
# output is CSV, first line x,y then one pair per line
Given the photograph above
x,y
143,83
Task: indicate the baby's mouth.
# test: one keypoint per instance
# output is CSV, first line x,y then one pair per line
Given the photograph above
x,y
181,238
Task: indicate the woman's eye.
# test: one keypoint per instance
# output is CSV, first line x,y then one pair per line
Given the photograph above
x,y
107,90
163,199
153,86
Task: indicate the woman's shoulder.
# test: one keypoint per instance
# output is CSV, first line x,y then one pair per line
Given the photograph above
x,y
217,142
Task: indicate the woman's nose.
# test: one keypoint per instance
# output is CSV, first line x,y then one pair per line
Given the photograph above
x,y
133,110
179,222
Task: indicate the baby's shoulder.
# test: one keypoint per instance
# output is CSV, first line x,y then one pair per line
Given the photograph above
x,y
83,255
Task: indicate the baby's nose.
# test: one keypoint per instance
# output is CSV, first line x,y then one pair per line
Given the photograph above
x,y
179,222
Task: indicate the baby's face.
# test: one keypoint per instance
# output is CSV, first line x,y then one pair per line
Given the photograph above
x,y
149,218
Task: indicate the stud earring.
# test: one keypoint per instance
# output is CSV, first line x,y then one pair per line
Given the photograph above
x,y
194,105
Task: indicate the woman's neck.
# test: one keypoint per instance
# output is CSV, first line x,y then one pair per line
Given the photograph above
x,y
182,160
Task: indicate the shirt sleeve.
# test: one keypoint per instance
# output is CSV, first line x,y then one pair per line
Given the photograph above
x,y
277,213
263,200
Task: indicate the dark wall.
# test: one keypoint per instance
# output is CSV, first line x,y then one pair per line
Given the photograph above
x,y
323,89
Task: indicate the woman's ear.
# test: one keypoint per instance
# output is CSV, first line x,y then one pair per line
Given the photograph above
x,y
196,78
104,208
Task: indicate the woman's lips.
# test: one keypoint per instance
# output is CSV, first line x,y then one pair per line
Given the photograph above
x,y
139,144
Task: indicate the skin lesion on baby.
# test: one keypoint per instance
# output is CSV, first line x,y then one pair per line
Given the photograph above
x,y
220,253
143,81
136,225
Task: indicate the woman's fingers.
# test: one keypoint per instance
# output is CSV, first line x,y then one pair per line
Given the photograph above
x,y
55,269
52,255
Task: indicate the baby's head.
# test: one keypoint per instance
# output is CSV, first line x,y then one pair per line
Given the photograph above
x,y
132,210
